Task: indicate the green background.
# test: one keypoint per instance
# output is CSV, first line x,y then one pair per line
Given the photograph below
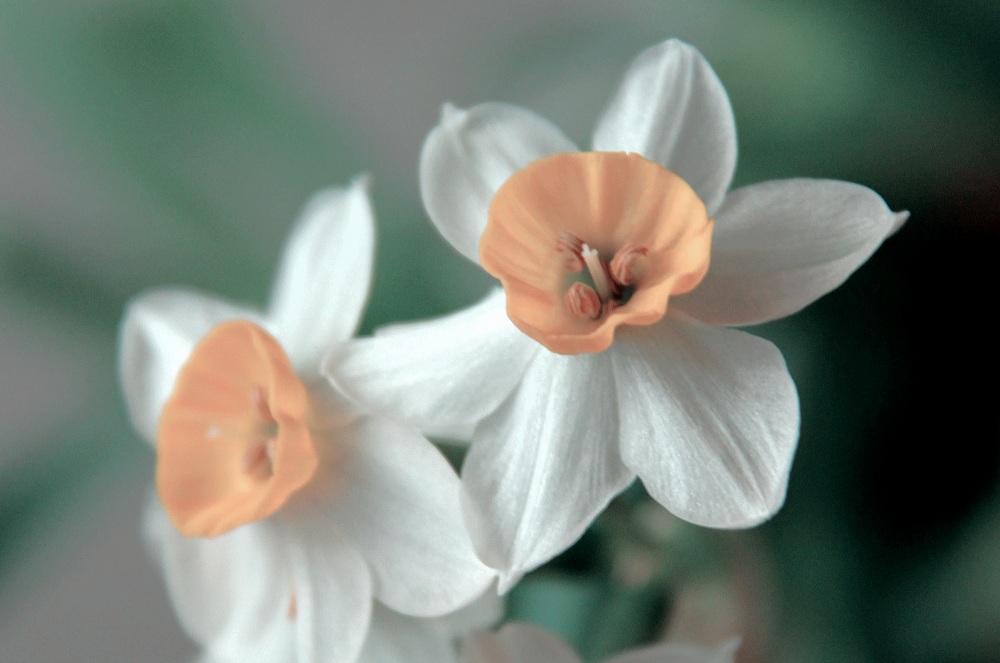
x,y
149,143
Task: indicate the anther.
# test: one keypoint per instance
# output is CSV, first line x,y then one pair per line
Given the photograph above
x,y
571,246
625,266
583,302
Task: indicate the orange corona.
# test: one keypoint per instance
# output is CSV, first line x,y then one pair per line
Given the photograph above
x,y
586,241
233,443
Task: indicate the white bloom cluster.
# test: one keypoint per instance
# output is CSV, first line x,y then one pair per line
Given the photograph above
x,y
301,515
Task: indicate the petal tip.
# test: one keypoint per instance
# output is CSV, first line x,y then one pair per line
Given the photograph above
x,y
673,42
899,218
451,115
327,200
673,46
362,183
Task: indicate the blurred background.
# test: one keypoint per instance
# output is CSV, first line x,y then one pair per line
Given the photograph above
x,y
147,142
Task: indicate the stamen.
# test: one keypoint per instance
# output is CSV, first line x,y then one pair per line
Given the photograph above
x,y
601,282
571,245
624,267
583,302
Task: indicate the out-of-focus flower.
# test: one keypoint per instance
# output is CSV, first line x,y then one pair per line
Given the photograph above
x,y
284,511
520,643
622,270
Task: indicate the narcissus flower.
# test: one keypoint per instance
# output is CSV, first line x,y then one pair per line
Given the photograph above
x,y
520,643
609,354
284,511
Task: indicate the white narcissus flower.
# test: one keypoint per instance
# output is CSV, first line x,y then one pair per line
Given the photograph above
x,y
285,513
623,270
520,643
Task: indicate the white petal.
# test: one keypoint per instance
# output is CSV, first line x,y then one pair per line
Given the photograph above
x,y
322,283
483,613
466,158
400,506
545,464
333,593
441,376
672,108
394,638
231,593
781,245
280,648
709,420
674,652
517,643
157,334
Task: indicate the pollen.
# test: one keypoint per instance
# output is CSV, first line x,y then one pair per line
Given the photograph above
x,y
585,242
233,442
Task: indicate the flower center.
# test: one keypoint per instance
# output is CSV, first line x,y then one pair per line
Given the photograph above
x,y
233,443
613,282
586,241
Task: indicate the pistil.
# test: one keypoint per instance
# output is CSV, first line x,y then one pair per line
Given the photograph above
x,y
597,272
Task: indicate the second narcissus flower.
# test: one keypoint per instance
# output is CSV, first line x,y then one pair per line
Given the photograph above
x,y
609,354
284,514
